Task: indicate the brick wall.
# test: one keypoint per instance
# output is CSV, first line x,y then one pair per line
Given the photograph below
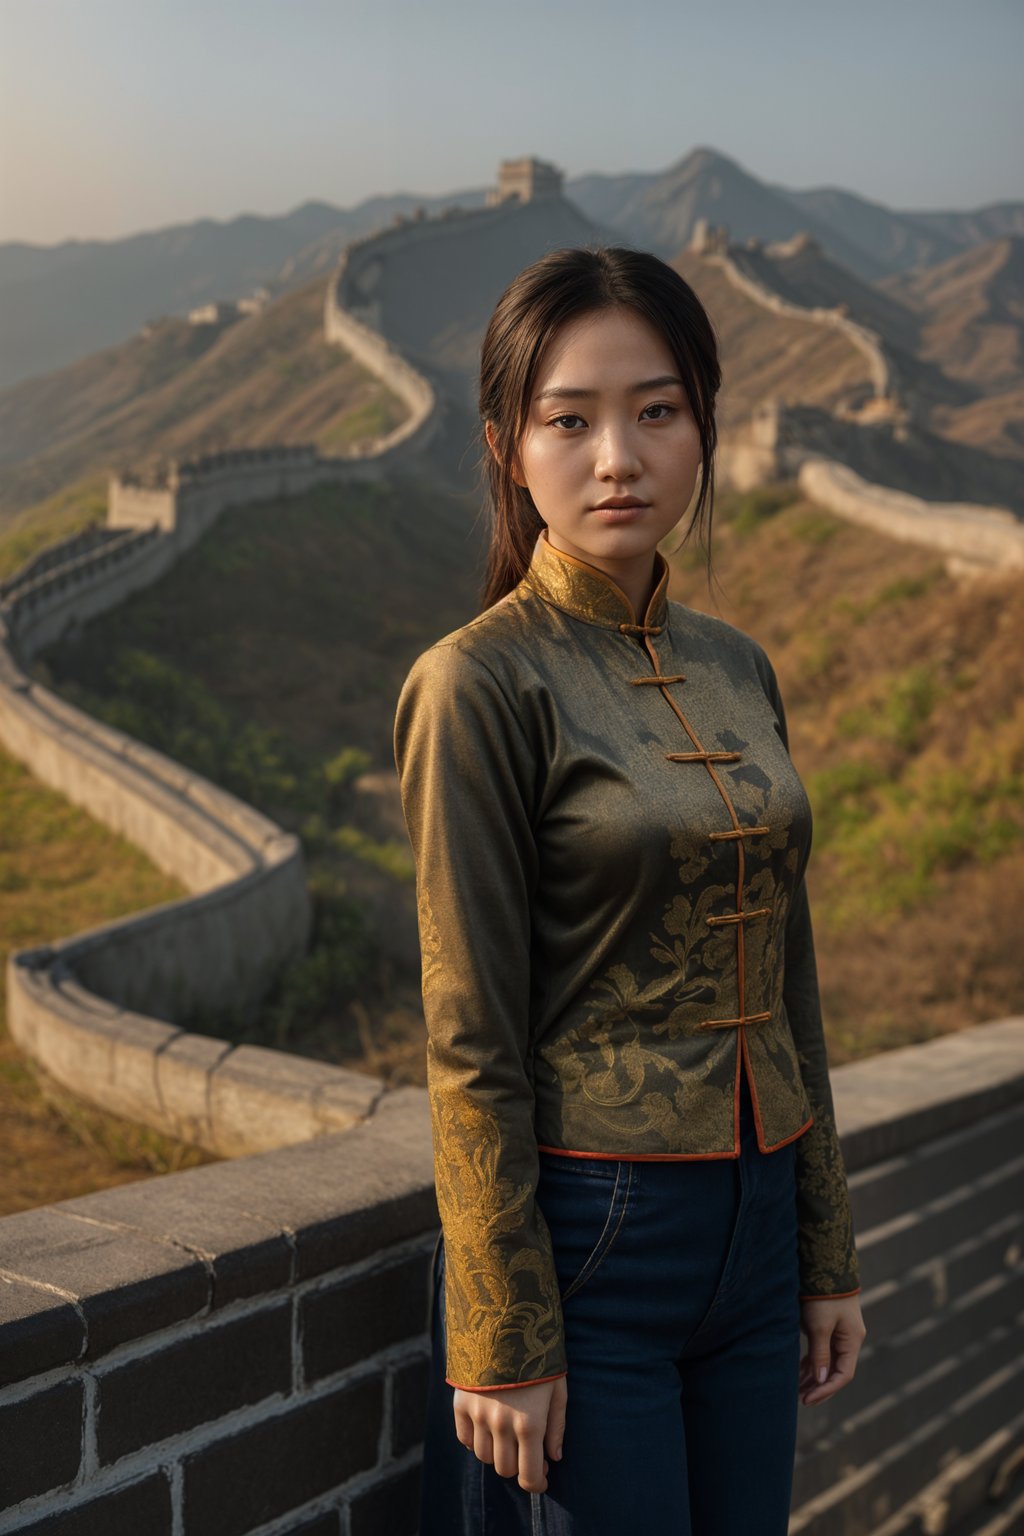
x,y
241,1347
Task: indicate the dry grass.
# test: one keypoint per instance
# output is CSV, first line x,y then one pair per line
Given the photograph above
x,y
267,379
61,872
903,690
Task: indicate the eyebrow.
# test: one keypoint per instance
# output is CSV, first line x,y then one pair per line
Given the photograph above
x,y
588,394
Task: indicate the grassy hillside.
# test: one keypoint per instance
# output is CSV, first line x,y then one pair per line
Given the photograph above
x,y
269,660
61,872
80,506
905,703
267,378
764,353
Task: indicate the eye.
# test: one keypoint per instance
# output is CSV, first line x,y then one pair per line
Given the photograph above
x,y
562,422
659,406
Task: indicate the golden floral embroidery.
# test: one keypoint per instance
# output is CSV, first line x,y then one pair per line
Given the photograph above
x,y
502,1306
828,1258
431,946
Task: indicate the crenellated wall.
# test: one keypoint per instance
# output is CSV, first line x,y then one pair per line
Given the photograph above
x,y
714,247
781,442
974,539
380,357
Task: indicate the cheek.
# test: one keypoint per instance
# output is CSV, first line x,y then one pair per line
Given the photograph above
x,y
544,462
683,454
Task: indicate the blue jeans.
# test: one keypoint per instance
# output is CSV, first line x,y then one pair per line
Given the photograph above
x,y
680,1294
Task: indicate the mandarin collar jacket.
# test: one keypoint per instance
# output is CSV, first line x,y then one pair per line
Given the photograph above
x,y
610,842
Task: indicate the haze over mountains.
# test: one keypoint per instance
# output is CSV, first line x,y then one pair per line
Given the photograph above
x,y
952,335
59,303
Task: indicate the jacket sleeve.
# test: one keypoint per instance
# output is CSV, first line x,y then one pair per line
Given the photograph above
x,y
828,1257
468,781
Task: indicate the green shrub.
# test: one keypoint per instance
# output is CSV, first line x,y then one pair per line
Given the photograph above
x,y
390,855
753,508
341,959
157,703
815,527
842,797
909,705
890,839
899,715
340,771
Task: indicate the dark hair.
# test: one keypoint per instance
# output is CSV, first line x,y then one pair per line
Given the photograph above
x,y
561,286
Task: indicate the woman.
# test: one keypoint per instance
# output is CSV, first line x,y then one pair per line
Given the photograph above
x,y
641,1188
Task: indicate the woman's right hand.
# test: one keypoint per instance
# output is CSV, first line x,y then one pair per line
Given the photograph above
x,y
512,1428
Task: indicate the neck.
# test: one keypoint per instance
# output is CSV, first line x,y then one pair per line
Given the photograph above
x,y
638,586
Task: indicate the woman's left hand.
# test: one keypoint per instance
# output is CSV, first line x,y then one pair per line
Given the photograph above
x,y
835,1332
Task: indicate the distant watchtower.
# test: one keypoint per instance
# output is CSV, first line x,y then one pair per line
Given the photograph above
x,y
525,179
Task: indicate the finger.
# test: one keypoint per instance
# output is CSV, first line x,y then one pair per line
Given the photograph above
x,y
542,1486
464,1431
483,1444
809,1369
554,1434
847,1352
821,1394
844,1368
834,1383
814,1373
532,1466
819,1355
506,1452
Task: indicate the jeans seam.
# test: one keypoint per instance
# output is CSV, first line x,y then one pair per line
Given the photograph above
x,y
599,1254
594,1256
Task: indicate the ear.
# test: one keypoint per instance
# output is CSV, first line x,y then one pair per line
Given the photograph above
x,y
491,436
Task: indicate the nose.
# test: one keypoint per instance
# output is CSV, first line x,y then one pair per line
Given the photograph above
x,y
617,454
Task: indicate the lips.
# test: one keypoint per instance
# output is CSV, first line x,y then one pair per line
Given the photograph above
x,y
618,501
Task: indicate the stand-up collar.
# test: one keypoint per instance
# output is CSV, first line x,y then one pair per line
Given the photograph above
x,y
589,593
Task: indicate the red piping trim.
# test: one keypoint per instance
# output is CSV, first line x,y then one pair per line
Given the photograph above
x,y
506,1386
671,1157
751,1083
638,1157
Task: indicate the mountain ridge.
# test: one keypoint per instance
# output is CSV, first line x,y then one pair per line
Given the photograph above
x,y
120,284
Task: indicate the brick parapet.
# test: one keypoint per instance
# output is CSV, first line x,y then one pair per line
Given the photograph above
x,y
244,1347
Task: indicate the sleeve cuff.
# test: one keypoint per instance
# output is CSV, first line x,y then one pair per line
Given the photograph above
x,y
508,1386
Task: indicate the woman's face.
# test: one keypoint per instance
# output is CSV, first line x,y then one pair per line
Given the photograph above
x,y
609,423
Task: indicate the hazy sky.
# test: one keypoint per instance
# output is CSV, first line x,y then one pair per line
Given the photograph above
x,y
123,115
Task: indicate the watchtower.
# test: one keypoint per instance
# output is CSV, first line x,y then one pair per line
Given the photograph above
x,y
525,179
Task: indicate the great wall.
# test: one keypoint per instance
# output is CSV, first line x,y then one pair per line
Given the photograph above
x,y
242,1347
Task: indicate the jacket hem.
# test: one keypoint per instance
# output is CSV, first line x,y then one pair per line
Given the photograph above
x,y
786,1139
670,1157
743,1060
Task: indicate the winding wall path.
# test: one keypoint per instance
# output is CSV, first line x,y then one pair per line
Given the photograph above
x,y
98,1010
